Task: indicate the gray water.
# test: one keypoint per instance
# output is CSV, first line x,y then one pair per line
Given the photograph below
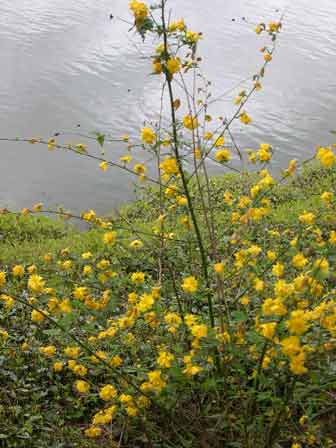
x,y
64,63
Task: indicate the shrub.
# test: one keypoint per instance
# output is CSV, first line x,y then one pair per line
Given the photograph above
x,y
201,317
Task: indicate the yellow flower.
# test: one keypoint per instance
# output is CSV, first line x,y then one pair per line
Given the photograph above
x,y
79,369
219,268
38,315
190,284
98,357
71,364
228,198
327,197
326,157
322,265
157,66
140,11
219,142
146,302
103,264
49,351
36,283
278,269
80,292
18,271
148,136
156,381
191,370
169,166
307,218
108,392
160,48
82,386
252,156
297,324
274,27
268,330
303,420
58,366
86,255
2,278
138,278
37,207
109,237
283,289
173,65
190,122
223,155
65,306
32,269
4,334
264,156
245,300
131,411
89,215
258,29
126,159
271,255
199,331
72,352
173,319
299,261
136,244
165,359
125,398
267,56
140,169
311,439
93,432
172,190
103,165
193,37
274,307
332,240
66,265
182,200
81,147
116,361
297,364
208,135
51,144
244,118
290,346
105,416
259,285
292,166
177,26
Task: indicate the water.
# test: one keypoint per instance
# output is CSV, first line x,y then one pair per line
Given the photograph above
x,y
64,63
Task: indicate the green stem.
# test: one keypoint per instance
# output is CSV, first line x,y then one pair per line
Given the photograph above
x,y
182,174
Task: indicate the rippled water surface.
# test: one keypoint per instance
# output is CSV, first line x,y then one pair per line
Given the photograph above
x,y
64,63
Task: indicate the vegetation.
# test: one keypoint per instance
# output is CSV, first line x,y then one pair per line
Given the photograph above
x,y
201,315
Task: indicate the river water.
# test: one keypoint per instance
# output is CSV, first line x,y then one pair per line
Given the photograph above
x,y
64,63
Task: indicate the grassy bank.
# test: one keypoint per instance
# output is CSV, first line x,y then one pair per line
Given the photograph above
x,y
36,411
24,239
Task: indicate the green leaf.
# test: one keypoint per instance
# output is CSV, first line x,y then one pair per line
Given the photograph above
x,y
239,316
101,139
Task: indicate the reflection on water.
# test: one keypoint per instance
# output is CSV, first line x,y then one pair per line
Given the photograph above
x,y
65,63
